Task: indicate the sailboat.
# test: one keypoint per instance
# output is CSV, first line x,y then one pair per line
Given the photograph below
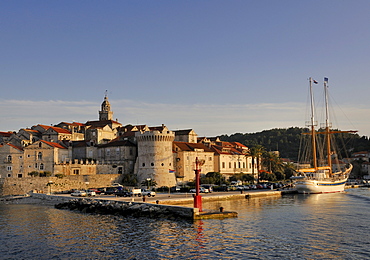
x,y
321,174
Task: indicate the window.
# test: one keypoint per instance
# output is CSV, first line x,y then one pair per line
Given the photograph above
x,y
28,155
229,164
223,164
9,158
41,166
143,164
152,164
120,170
76,171
40,144
20,157
131,151
39,156
9,168
36,165
210,158
108,152
19,175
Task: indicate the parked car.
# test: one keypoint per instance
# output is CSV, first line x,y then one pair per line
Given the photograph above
x,y
110,190
91,193
116,185
101,191
123,193
79,193
97,192
147,193
208,186
221,188
201,190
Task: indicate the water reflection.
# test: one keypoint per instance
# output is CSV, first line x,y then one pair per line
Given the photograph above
x,y
323,226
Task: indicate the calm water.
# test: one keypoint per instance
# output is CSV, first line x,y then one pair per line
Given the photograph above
x,y
323,226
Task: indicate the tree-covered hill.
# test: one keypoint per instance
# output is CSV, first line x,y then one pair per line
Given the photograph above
x,y
287,141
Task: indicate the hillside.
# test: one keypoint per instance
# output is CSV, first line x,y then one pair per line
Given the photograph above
x,y
287,141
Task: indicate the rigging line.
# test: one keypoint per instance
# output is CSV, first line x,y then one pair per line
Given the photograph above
x,y
332,100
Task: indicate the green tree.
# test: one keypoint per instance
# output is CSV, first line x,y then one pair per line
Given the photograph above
x,y
289,169
33,174
267,176
129,179
45,174
213,178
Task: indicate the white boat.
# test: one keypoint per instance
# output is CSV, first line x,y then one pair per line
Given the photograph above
x,y
325,174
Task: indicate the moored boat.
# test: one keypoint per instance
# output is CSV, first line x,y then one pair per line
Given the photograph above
x,y
323,172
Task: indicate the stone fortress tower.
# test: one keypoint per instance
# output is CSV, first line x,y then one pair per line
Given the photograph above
x,y
155,156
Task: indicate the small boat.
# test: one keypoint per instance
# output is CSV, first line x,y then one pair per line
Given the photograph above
x,y
322,172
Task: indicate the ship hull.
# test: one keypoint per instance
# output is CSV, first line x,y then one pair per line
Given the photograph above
x,y
315,186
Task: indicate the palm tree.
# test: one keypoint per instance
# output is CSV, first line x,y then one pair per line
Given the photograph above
x,y
272,162
256,152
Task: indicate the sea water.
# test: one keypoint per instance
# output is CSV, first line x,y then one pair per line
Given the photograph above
x,y
316,226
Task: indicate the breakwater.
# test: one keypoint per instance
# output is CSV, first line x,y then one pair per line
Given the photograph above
x,y
136,209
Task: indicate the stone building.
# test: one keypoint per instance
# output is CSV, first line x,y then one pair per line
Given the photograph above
x,y
232,158
187,135
11,161
120,154
185,154
55,134
25,137
5,136
42,155
76,129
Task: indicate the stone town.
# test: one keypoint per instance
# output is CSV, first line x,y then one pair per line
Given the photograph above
x,y
107,148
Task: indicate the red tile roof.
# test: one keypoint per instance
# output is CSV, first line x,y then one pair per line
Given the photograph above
x,y
16,147
56,145
6,134
60,130
184,146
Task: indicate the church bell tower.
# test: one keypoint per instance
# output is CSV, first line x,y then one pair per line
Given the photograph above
x,y
105,113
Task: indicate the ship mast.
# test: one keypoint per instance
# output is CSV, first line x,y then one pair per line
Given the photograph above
x,y
313,133
327,125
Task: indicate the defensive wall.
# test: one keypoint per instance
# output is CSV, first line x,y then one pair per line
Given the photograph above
x,y
25,185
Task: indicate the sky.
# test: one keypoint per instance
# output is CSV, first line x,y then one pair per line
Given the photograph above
x,y
217,67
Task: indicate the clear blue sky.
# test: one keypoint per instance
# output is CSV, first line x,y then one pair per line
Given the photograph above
x,y
218,67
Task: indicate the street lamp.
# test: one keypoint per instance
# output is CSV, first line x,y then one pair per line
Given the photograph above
x,y
148,180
